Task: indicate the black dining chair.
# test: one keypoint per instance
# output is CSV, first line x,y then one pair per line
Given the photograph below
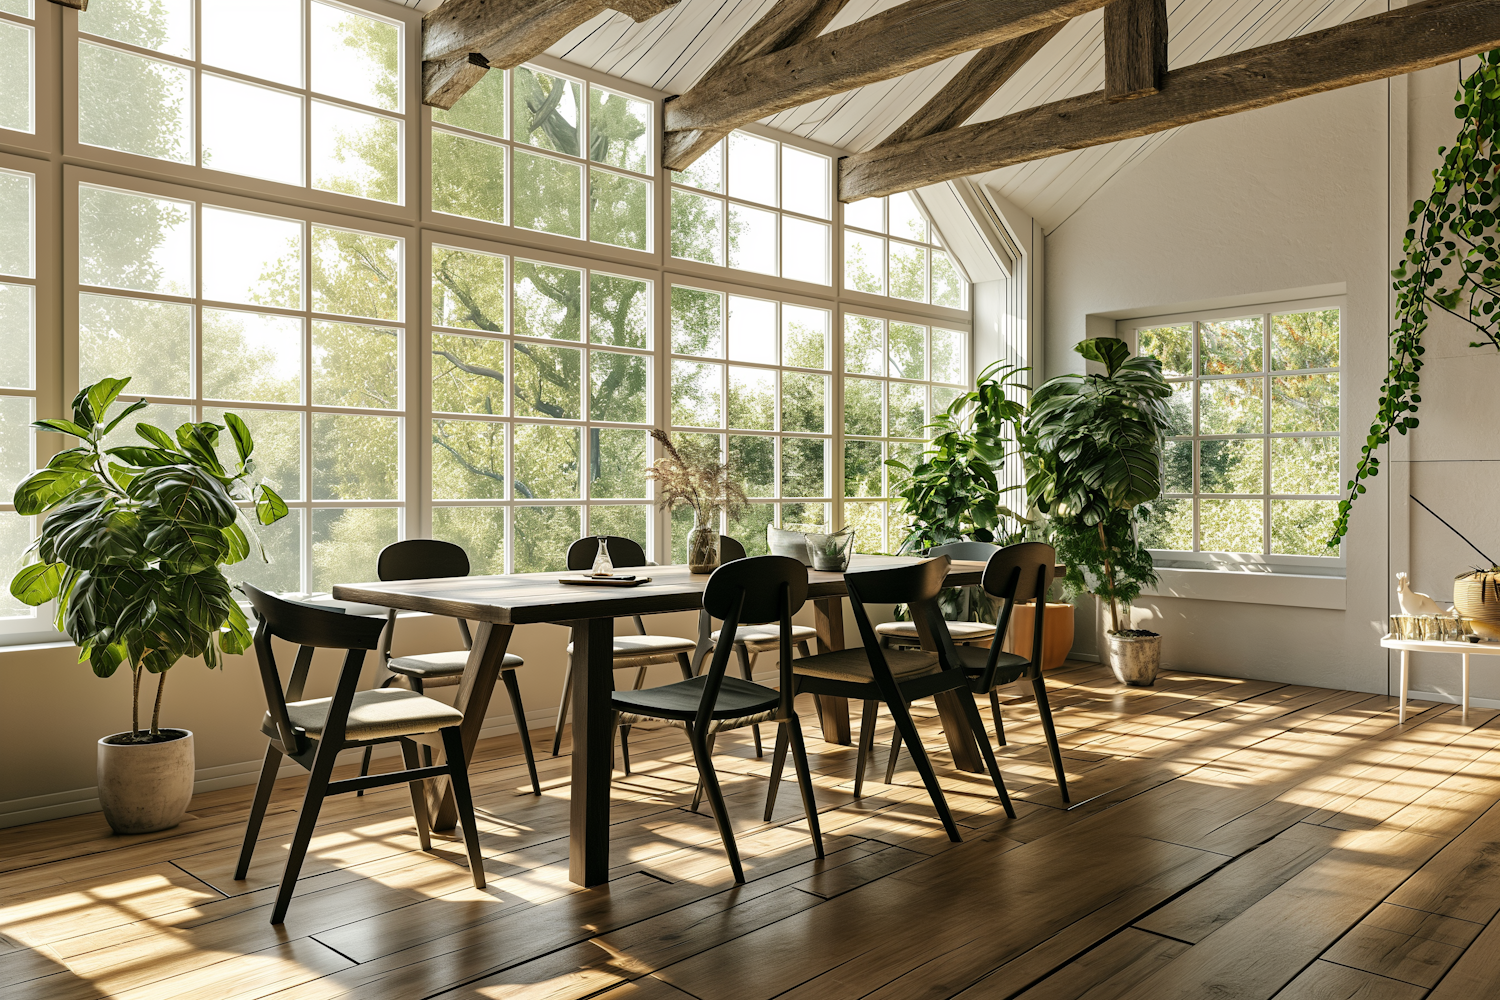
x,y
896,677
428,559
746,592
313,732
639,651
905,633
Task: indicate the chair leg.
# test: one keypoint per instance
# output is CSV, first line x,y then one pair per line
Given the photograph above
x,y
890,766
778,763
804,781
458,779
625,747
995,711
262,799
1040,687
747,671
866,744
698,792
413,760
513,688
312,802
703,754
976,724
562,707
804,649
686,665
908,730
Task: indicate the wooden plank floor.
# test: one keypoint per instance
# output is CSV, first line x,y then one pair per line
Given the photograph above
x,y
1228,839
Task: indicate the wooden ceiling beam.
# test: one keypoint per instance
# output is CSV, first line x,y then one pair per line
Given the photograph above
x,y
890,44
1399,41
1135,48
463,39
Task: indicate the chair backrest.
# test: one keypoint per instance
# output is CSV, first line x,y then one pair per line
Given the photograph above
x,y
969,551
623,552
730,549
754,591
1019,573
422,559
917,586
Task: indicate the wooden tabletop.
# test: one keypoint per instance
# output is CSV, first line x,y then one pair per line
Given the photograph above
x,y
527,598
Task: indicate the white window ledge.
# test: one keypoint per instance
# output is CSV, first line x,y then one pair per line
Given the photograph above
x,y
1294,590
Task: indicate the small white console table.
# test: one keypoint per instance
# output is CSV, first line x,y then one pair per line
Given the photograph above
x,y
1464,649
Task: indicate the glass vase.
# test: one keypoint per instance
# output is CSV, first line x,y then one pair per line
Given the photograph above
x,y
702,546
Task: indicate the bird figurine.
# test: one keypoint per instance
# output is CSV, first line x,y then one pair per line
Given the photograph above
x,y
1413,603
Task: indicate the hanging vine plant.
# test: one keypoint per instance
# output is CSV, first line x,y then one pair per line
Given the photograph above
x,y
1452,265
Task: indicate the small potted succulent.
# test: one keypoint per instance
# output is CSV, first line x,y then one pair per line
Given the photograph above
x,y
132,549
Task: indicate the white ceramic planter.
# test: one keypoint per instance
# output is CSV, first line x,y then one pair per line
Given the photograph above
x,y
1134,660
145,787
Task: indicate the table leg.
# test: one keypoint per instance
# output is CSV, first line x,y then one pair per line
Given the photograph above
x,y
1466,688
960,734
833,713
1405,668
480,673
593,722
705,629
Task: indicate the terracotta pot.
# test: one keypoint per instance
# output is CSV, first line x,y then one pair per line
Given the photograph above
x,y
1476,596
1057,633
145,787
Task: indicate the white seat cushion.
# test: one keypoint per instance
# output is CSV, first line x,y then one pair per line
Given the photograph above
x,y
769,636
375,715
443,664
644,650
961,631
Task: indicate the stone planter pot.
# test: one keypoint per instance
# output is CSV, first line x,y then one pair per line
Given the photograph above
x,y
145,787
1134,660
1057,634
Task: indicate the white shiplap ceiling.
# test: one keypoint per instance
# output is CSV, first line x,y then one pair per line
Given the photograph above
x,y
671,51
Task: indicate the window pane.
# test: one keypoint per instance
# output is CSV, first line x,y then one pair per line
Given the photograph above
x,y
17,224
1231,406
752,168
696,394
908,270
256,259
1170,526
1236,466
16,95
906,218
548,381
941,400
1305,340
1180,408
618,210
355,57
752,399
804,250
867,213
947,356
864,350
804,337
481,109
355,365
276,565
355,458
150,342
753,460
251,130
697,227
804,182
697,322
804,516
480,530
1177,467
468,460
867,521
624,520
619,131
261,38
1301,527
547,195
468,374
548,300
1171,345
134,104
163,25
252,356
752,239
617,463
355,153
804,467
619,311
752,330
134,242
909,454
706,172
908,350
345,543
864,474
468,290
468,177
617,387
16,460
749,529
1230,346
864,406
1302,403
1231,526
17,335
356,274
547,460
546,110
278,446
543,535
947,284
864,263
908,409
1305,465
804,402
21,8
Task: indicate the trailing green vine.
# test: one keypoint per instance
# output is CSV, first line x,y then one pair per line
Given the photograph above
x,y
1455,226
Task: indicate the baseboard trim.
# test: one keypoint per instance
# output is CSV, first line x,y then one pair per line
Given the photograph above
x,y
1413,694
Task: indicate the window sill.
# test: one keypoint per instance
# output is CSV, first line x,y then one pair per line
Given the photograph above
x,y
1293,590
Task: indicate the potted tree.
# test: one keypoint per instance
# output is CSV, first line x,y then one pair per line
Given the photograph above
x,y
132,549
1093,452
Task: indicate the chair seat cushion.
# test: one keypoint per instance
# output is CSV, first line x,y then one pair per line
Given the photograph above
x,y
641,650
853,665
374,715
961,631
1008,666
768,636
737,699
443,664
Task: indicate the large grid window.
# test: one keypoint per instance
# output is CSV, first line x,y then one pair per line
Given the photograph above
x,y
570,159
541,404
1252,466
898,254
18,382
897,375
297,326
755,204
17,66
299,92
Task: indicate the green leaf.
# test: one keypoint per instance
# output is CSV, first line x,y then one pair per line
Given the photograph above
x,y
239,544
122,474
62,426
46,488
37,584
156,436
102,394
269,507
200,443
139,404
1110,352
243,443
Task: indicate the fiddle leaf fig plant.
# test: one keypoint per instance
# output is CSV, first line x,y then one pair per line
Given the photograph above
x,y
135,537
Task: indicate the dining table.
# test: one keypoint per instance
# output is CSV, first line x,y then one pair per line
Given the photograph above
x,y
497,604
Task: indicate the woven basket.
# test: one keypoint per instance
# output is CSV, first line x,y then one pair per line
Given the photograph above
x,y
1476,596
